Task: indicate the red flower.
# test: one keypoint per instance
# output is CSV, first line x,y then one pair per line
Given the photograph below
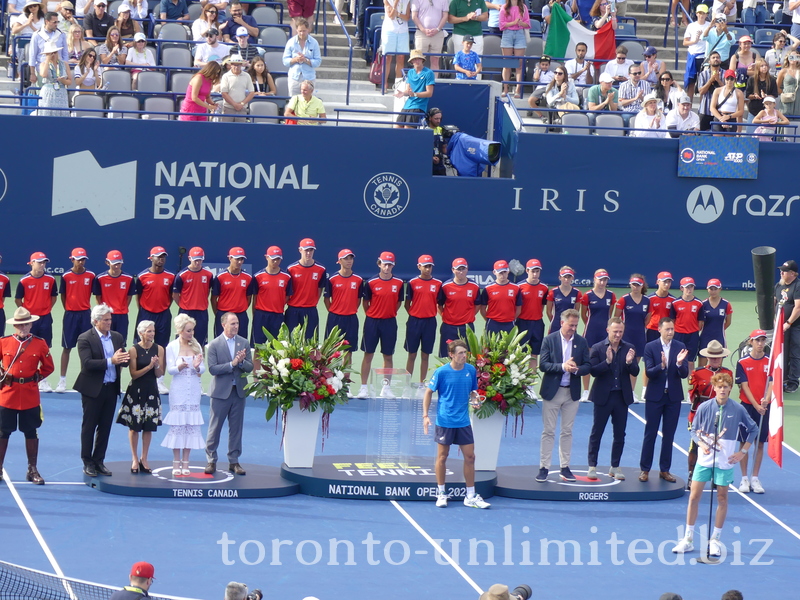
x,y
336,354
497,398
296,363
499,368
331,391
317,396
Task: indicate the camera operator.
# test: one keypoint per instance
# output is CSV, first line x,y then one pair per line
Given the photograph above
x,y
238,591
500,592
434,123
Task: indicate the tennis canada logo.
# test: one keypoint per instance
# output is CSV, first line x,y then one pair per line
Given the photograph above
x,y
386,195
705,204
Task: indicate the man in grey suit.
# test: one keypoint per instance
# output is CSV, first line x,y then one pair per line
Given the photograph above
x,y
564,360
229,361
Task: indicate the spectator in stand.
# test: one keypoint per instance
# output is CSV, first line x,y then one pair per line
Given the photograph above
x,y
493,22
237,91
208,19
755,393
394,37
788,80
578,68
98,22
83,7
601,97
243,47
302,56
542,75
601,14
754,11
682,119
55,76
173,10
48,33
561,90
30,20
467,63
466,17
695,49
263,83
126,25
562,297
140,54
212,50
229,29
776,55
113,53
726,8
668,91
619,67
727,105
633,308
652,68
719,39
77,44
420,81
743,62
759,86
514,22
142,576
196,104
430,17
767,120
631,94
37,293
139,9
583,9
547,10
190,292
14,7
305,105
597,307
707,83
300,9
674,9
650,122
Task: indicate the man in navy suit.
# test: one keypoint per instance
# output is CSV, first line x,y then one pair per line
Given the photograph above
x,y
665,365
564,360
613,367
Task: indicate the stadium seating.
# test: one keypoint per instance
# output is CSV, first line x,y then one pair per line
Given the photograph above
x,y
90,101
179,81
123,103
274,62
117,80
272,36
159,104
281,90
578,120
195,10
764,36
635,50
176,57
152,81
625,30
610,121
265,15
737,32
264,108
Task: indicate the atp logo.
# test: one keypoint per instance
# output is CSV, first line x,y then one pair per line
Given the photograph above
x,y
705,204
80,182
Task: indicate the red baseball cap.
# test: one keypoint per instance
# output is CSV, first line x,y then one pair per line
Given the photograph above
x,y
78,254
143,569
197,253
387,258
307,243
714,283
425,259
533,264
687,281
602,274
157,251
637,280
758,333
38,257
274,252
664,275
730,73
345,252
114,257
500,265
563,272
236,252
460,262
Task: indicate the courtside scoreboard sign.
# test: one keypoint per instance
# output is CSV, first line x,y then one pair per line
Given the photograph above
x,y
724,157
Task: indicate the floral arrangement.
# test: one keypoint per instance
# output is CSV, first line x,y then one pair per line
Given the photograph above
x,y
504,372
296,369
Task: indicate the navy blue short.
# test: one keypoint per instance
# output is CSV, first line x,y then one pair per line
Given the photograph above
x,y
43,328
493,326
652,334
163,321
384,330
751,410
461,436
119,323
692,343
244,323
271,321
75,323
451,332
3,321
295,315
201,324
534,334
27,420
420,332
348,324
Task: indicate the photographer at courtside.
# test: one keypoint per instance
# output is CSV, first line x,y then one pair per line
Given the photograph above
x,y
142,576
499,591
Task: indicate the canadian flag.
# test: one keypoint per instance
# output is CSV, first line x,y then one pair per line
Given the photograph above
x,y
775,447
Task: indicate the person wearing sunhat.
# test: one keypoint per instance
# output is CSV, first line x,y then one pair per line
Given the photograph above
x,y
237,91
420,81
55,77
142,576
231,291
30,20
76,297
26,360
787,300
700,390
650,121
37,292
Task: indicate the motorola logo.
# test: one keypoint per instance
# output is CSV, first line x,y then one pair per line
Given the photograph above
x,y
705,204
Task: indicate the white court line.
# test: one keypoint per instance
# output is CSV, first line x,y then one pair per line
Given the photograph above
x,y
437,547
790,449
54,483
733,487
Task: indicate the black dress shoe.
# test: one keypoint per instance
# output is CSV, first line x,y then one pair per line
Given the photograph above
x,y
143,469
89,470
237,469
210,468
101,468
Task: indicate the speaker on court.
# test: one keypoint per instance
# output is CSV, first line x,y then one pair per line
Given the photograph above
x,y
764,276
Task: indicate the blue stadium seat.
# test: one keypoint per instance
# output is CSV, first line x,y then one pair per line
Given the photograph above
x,y
625,30
89,101
764,36
265,15
265,109
578,121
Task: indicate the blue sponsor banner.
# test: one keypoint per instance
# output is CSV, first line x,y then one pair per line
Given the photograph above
x,y
725,157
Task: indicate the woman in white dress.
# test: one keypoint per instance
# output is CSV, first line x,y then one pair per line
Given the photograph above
x,y
185,364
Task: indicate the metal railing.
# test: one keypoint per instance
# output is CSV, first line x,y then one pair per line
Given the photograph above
x,y
347,37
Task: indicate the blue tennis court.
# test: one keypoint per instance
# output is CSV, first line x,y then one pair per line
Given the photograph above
x,y
300,546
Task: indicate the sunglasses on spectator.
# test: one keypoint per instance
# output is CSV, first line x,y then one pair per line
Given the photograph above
x,y
213,12
560,73
636,72
666,79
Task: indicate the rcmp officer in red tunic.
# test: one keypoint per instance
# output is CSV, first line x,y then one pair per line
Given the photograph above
x,y
25,361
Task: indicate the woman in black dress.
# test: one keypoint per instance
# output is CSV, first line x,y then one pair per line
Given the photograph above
x,y
141,406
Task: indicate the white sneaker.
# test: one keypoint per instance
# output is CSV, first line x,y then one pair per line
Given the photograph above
x,y
44,386
616,473
61,387
386,392
162,389
476,502
756,485
636,399
714,548
363,392
744,487
441,500
585,396
644,393
685,545
592,474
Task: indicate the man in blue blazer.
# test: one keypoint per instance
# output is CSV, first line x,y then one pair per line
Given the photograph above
x,y
665,364
564,360
613,364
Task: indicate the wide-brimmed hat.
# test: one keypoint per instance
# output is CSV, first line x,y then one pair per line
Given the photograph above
x,y
21,316
715,350
50,46
416,54
497,592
